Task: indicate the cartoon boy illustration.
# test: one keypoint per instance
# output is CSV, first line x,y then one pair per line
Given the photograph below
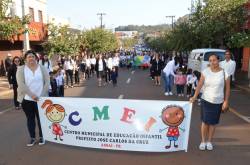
x,y
55,113
172,116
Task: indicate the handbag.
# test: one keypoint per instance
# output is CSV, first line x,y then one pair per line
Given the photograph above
x,y
224,110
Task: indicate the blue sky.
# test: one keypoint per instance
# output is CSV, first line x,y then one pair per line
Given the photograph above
x,y
119,12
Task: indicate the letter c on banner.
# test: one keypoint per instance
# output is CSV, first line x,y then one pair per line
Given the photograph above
x,y
72,121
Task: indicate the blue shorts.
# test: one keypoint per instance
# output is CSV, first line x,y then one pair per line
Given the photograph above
x,y
172,138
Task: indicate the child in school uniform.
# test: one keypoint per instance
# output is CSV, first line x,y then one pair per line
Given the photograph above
x,y
60,82
53,85
114,76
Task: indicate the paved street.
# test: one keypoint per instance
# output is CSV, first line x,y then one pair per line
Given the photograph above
x,y
232,139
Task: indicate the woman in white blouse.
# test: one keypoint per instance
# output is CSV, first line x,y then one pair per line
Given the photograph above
x,y
46,63
33,82
215,84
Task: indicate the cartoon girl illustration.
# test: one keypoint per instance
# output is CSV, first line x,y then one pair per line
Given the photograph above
x,y
172,116
55,113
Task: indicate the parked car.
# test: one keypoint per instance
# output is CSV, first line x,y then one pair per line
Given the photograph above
x,y
198,58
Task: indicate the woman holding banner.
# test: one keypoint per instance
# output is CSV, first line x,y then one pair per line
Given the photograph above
x,y
33,82
216,91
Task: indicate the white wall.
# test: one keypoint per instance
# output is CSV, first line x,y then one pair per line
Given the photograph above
x,y
35,4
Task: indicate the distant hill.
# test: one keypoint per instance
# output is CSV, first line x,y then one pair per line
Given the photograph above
x,y
144,28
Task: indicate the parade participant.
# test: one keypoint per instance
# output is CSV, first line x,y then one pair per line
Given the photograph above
x,y
180,82
93,63
109,67
69,68
60,82
12,77
33,82
76,69
189,81
215,99
46,63
100,68
157,66
116,62
114,77
169,75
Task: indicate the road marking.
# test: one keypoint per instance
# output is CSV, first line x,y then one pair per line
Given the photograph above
x,y
6,110
121,97
245,118
133,72
128,81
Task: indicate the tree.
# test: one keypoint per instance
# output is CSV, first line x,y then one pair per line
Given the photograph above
x,y
101,40
10,26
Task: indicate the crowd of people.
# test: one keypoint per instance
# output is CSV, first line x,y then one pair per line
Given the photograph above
x,y
39,76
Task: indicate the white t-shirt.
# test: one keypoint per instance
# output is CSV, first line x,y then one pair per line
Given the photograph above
x,y
69,65
170,68
110,63
93,61
213,87
228,66
34,81
116,61
88,62
100,66
47,65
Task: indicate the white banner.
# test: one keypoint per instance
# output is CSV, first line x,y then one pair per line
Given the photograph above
x,y
131,125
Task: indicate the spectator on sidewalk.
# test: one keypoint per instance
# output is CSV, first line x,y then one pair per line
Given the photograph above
x,y
12,76
229,65
214,81
7,65
33,82
169,73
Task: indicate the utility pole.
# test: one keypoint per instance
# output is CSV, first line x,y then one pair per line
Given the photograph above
x,y
101,18
26,42
172,17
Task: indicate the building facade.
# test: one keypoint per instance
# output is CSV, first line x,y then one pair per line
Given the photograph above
x,y
246,51
37,10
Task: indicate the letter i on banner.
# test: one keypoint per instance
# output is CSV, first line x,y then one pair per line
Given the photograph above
x,y
149,124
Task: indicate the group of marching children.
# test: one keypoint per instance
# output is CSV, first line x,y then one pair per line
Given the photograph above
x,y
186,77
56,88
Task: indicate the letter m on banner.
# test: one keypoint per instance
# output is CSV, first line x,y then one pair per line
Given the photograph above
x,y
104,114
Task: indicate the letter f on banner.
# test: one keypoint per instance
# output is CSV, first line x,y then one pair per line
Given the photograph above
x,y
128,113
104,114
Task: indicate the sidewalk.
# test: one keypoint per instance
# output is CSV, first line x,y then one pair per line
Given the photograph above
x,y
241,81
6,95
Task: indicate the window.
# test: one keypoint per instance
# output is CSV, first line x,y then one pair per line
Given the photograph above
x,y
31,13
220,54
40,16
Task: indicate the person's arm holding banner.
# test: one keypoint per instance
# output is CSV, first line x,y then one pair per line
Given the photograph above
x,y
198,89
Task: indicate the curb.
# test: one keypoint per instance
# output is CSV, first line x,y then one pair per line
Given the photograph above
x,y
246,89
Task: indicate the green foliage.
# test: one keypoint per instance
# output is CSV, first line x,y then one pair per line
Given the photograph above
x,y
128,43
216,23
64,41
10,26
101,40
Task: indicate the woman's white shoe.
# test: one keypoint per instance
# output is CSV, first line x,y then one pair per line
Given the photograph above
x,y
202,146
209,146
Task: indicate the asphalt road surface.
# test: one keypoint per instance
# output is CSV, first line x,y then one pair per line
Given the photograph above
x,y
232,138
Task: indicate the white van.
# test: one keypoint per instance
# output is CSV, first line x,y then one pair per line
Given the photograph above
x,y
198,58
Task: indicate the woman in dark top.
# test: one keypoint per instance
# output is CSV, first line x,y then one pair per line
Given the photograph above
x,y
12,78
157,66
100,68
